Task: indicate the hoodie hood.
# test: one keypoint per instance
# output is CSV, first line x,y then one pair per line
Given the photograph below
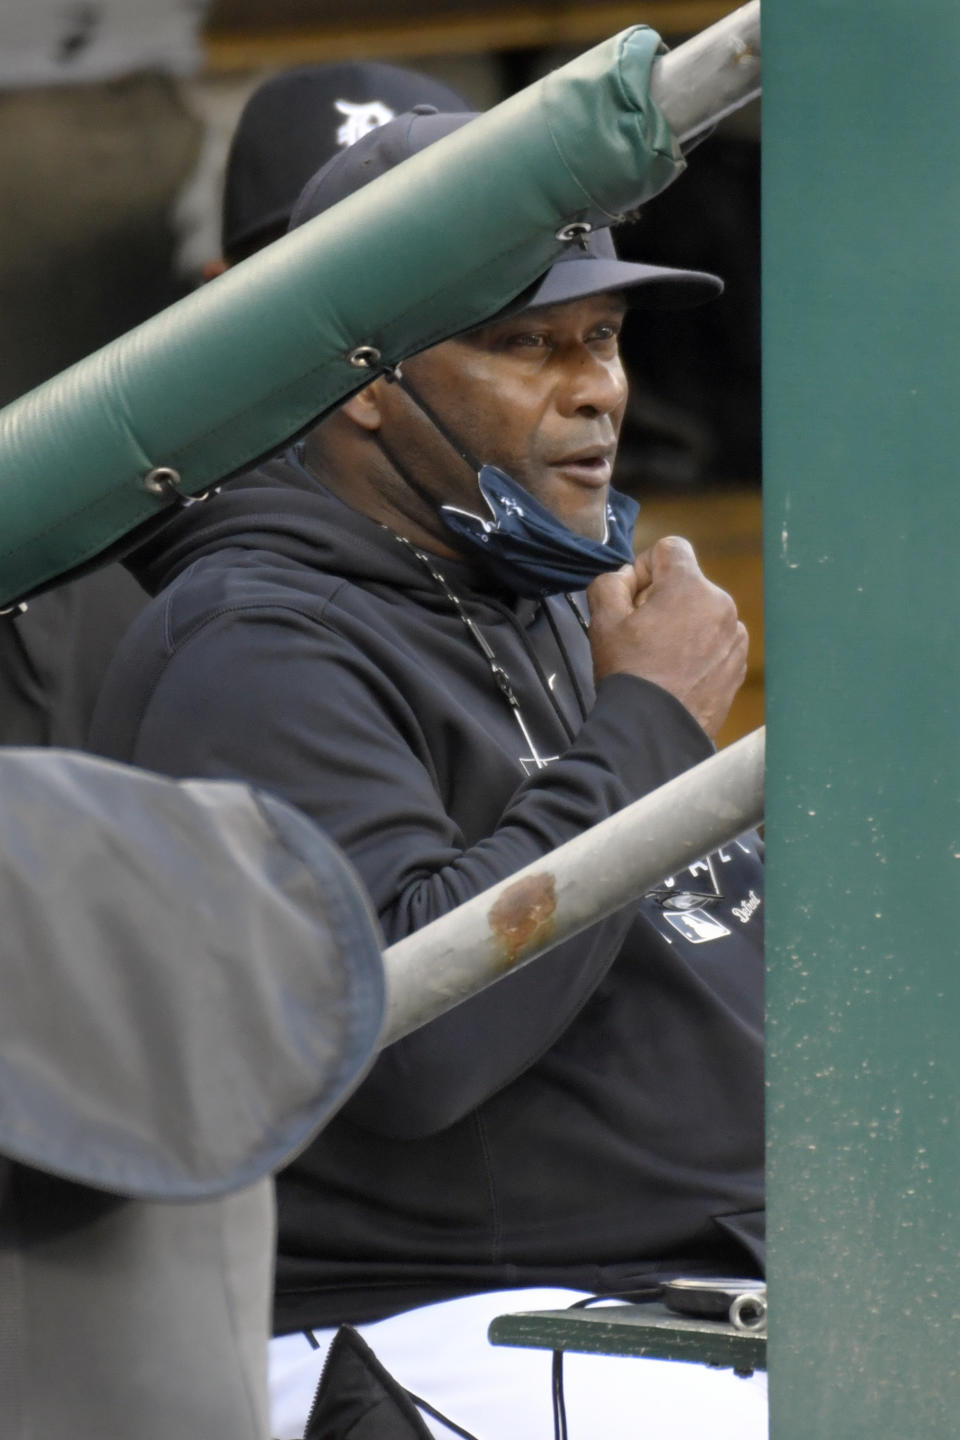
x,y
282,508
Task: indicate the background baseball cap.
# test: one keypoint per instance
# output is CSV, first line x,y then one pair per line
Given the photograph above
x,y
588,267
294,123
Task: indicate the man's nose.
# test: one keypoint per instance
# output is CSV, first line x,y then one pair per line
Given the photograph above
x,y
592,384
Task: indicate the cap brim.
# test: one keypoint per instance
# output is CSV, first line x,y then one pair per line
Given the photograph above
x,y
648,287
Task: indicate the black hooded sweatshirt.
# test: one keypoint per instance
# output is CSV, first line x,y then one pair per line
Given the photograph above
x,y
592,1119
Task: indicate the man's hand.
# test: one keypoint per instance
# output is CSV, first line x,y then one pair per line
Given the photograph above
x,y
663,620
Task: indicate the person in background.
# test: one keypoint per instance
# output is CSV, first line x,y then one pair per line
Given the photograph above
x,y
292,125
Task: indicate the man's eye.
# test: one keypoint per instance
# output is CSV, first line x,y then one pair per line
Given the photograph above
x,y
607,332
528,340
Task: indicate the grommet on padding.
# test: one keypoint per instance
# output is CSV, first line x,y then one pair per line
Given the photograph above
x,y
576,230
164,482
365,357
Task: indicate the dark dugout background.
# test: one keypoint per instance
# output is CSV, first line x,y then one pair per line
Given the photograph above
x,y
695,411
88,178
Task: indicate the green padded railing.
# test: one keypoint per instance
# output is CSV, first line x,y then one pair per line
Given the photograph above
x,y
233,371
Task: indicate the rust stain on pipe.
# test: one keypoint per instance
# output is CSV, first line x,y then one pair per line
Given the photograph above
x,y
524,916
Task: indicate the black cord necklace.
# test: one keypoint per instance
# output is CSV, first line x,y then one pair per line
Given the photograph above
x,y
501,678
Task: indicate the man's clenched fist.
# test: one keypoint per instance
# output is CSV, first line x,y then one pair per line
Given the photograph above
x,y
663,620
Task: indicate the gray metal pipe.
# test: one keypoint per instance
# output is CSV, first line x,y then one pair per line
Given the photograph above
x,y
572,887
710,75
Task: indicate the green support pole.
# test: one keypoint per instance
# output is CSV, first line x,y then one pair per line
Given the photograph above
x,y
862,502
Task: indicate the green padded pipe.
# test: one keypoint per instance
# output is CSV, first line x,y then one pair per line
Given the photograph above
x,y
232,372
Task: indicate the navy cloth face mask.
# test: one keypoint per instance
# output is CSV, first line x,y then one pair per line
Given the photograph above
x,y
528,550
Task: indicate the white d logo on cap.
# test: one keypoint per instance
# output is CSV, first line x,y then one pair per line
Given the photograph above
x,y
361,119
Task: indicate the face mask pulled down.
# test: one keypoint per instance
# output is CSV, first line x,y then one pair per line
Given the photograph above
x,y
528,550
522,546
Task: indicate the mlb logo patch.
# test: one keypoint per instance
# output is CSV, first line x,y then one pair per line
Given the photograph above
x,y
697,926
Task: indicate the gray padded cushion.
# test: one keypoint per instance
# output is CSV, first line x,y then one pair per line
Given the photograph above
x,y
191,978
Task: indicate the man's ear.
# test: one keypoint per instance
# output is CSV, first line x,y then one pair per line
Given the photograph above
x,y
364,407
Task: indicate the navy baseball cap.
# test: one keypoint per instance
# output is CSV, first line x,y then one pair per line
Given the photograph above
x,y
294,123
590,267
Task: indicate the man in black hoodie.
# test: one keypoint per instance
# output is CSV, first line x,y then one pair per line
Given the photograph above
x,y
366,627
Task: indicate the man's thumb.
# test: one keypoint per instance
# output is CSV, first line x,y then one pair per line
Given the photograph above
x,y
611,596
